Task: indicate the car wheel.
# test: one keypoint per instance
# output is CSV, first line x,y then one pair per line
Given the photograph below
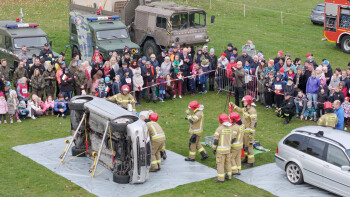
x,y
294,173
77,151
78,104
121,179
149,48
120,124
345,44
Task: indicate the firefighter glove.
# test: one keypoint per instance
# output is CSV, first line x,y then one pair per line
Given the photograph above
x,y
214,151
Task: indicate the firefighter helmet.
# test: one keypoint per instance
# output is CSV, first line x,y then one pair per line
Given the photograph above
x,y
249,100
125,88
234,116
223,118
328,105
193,105
153,116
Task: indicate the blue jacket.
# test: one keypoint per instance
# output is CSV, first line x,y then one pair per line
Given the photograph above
x,y
278,87
116,87
268,69
340,114
312,85
60,103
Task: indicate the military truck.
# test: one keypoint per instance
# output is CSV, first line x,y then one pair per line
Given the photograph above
x,y
108,34
156,25
13,35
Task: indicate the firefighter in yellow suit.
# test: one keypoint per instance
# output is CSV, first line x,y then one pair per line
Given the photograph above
x,y
222,148
124,98
249,120
158,140
329,119
196,129
236,147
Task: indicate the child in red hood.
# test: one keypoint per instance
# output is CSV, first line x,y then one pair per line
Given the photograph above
x,y
97,53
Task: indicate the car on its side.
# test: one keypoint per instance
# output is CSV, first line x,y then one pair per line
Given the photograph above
x,y
316,155
317,14
124,137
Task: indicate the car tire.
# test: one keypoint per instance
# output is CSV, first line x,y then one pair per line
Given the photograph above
x,y
121,127
78,104
294,173
76,151
121,179
345,44
150,47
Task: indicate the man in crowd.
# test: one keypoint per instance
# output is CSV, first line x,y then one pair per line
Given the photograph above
x,y
46,53
239,84
80,80
5,71
229,50
19,73
244,57
36,65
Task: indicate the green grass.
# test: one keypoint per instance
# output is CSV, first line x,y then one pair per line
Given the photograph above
x,y
20,176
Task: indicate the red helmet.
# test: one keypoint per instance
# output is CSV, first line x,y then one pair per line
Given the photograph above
x,y
193,105
328,105
153,116
223,118
125,88
234,116
249,99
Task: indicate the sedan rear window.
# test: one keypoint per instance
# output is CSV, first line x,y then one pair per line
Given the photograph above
x,y
315,148
294,140
319,8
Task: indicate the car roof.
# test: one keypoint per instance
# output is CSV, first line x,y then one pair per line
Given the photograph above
x,y
337,135
21,32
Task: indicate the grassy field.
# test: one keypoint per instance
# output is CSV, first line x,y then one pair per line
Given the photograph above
x,y
297,36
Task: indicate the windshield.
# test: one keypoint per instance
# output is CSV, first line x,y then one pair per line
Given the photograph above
x,y
348,152
112,34
179,21
197,19
29,42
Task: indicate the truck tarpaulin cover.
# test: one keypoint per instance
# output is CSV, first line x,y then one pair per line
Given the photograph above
x,y
175,171
84,37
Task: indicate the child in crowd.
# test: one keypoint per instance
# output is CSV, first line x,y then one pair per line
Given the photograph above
x,y
107,68
13,105
50,105
117,85
336,95
109,86
7,90
322,97
138,83
346,107
269,93
3,107
60,106
127,80
310,112
278,88
95,81
300,104
102,90
34,107
200,80
169,86
22,89
162,87
22,110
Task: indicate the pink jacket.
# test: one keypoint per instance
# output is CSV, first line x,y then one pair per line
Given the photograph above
x,y
49,104
3,106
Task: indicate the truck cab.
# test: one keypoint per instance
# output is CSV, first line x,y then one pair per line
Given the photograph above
x,y
13,35
160,25
107,33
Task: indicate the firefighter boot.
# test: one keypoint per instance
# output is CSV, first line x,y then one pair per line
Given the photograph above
x,y
286,120
204,155
163,154
188,159
217,180
245,160
249,165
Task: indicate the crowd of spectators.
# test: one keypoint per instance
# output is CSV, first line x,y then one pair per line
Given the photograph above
x,y
172,74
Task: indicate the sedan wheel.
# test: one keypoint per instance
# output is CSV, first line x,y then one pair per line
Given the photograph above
x,y
294,174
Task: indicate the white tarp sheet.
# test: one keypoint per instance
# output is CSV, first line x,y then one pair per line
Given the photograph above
x,y
274,180
175,171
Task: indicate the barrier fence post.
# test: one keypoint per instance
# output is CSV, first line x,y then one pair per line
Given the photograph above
x,y
244,10
281,17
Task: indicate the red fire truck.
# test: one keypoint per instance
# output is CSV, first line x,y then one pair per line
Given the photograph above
x,y
337,23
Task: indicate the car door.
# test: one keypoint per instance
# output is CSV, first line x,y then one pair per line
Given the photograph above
x,y
312,161
336,179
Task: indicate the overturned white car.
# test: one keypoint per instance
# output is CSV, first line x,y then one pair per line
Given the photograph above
x,y
112,136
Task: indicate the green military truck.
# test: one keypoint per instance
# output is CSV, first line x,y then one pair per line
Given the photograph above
x,y
156,25
108,34
13,35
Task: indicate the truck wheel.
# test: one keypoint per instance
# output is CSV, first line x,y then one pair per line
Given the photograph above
x,y
76,151
150,48
345,44
78,103
75,50
121,179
